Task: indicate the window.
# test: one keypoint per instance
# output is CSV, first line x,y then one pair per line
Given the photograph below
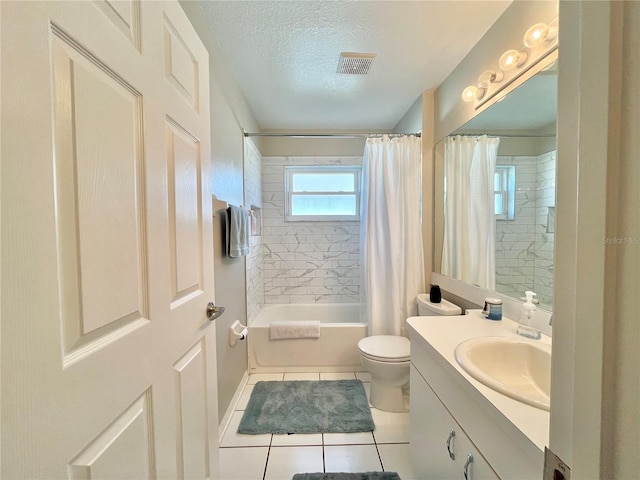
x,y
322,193
504,192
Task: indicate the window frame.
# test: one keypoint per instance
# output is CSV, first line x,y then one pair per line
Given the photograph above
x,y
506,191
291,170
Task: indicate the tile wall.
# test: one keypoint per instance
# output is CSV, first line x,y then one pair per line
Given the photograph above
x,y
253,200
545,227
306,262
524,246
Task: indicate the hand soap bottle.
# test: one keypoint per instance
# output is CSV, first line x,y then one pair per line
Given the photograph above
x,y
526,315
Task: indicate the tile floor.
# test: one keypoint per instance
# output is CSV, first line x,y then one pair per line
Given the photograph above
x,y
279,457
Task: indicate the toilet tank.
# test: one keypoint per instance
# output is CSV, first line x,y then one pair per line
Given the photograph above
x,y
427,308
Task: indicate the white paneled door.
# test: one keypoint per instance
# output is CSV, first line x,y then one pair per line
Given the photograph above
x,y
108,358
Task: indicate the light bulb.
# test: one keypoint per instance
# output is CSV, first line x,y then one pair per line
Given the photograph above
x,y
538,34
489,77
511,59
472,93
469,93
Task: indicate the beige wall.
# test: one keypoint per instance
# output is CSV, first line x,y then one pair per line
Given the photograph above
x,y
310,147
411,121
526,146
621,442
230,113
621,336
428,194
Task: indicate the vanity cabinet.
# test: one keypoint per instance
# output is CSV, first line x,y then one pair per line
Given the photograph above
x,y
504,436
439,446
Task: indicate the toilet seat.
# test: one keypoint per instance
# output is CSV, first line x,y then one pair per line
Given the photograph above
x,y
385,348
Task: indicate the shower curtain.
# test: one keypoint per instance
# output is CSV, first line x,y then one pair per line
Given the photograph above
x,y
468,252
391,232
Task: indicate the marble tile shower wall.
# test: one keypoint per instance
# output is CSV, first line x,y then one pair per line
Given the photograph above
x,y
306,262
515,260
524,248
253,199
545,236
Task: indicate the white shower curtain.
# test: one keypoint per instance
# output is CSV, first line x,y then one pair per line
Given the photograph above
x,y
469,211
391,232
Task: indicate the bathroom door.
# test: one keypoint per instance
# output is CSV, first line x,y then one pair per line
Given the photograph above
x,y
108,358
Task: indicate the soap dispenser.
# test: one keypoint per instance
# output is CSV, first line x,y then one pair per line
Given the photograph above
x,y
526,315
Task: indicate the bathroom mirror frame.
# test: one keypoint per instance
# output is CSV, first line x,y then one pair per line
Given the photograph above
x,y
473,293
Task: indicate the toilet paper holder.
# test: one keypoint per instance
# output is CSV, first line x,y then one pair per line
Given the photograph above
x,y
237,332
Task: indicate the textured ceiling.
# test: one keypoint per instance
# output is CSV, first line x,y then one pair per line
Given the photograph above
x,y
284,55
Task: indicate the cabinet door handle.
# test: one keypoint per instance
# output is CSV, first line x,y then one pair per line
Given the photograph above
x,y
466,467
452,434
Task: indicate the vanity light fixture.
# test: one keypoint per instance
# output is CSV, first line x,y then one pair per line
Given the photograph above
x,y
539,34
489,77
472,93
512,59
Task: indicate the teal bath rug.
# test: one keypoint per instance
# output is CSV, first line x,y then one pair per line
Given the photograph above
x,y
347,476
327,406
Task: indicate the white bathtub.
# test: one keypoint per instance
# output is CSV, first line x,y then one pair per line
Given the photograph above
x,y
335,351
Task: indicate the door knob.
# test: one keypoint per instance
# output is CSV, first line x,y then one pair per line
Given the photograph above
x,y
213,312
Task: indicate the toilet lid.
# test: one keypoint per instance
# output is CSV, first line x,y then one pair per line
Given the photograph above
x,y
390,348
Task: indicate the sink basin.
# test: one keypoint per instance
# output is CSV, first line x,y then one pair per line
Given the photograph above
x,y
517,368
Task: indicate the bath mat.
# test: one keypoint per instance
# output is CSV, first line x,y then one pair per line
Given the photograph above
x,y
347,476
325,406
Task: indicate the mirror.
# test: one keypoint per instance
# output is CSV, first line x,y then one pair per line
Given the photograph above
x,y
524,189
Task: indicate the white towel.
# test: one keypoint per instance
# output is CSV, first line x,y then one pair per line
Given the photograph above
x,y
238,232
294,329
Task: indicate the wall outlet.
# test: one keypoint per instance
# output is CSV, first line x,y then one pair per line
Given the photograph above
x,y
554,468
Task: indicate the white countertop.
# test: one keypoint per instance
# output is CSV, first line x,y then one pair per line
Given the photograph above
x,y
444,334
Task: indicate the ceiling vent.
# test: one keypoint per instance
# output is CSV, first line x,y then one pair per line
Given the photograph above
x,y
355,63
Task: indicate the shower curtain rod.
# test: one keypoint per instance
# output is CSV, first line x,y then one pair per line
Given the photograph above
x,y
544,135
327,135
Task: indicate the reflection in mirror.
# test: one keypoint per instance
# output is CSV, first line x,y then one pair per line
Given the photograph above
x,y
503,238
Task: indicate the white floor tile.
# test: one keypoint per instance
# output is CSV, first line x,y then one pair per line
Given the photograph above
x,y
351,458
301,376
243,463
395,458
391,427
362,438
367,389
285,462
337,376
244,397
232,438
290,454
297,439
264,377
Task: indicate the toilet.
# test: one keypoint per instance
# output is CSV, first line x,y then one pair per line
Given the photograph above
x,y
386,358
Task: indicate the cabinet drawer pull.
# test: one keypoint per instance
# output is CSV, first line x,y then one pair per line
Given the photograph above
x,y
452,434
467,465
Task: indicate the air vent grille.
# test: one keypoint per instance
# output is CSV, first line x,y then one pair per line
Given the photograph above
x,y
355,63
